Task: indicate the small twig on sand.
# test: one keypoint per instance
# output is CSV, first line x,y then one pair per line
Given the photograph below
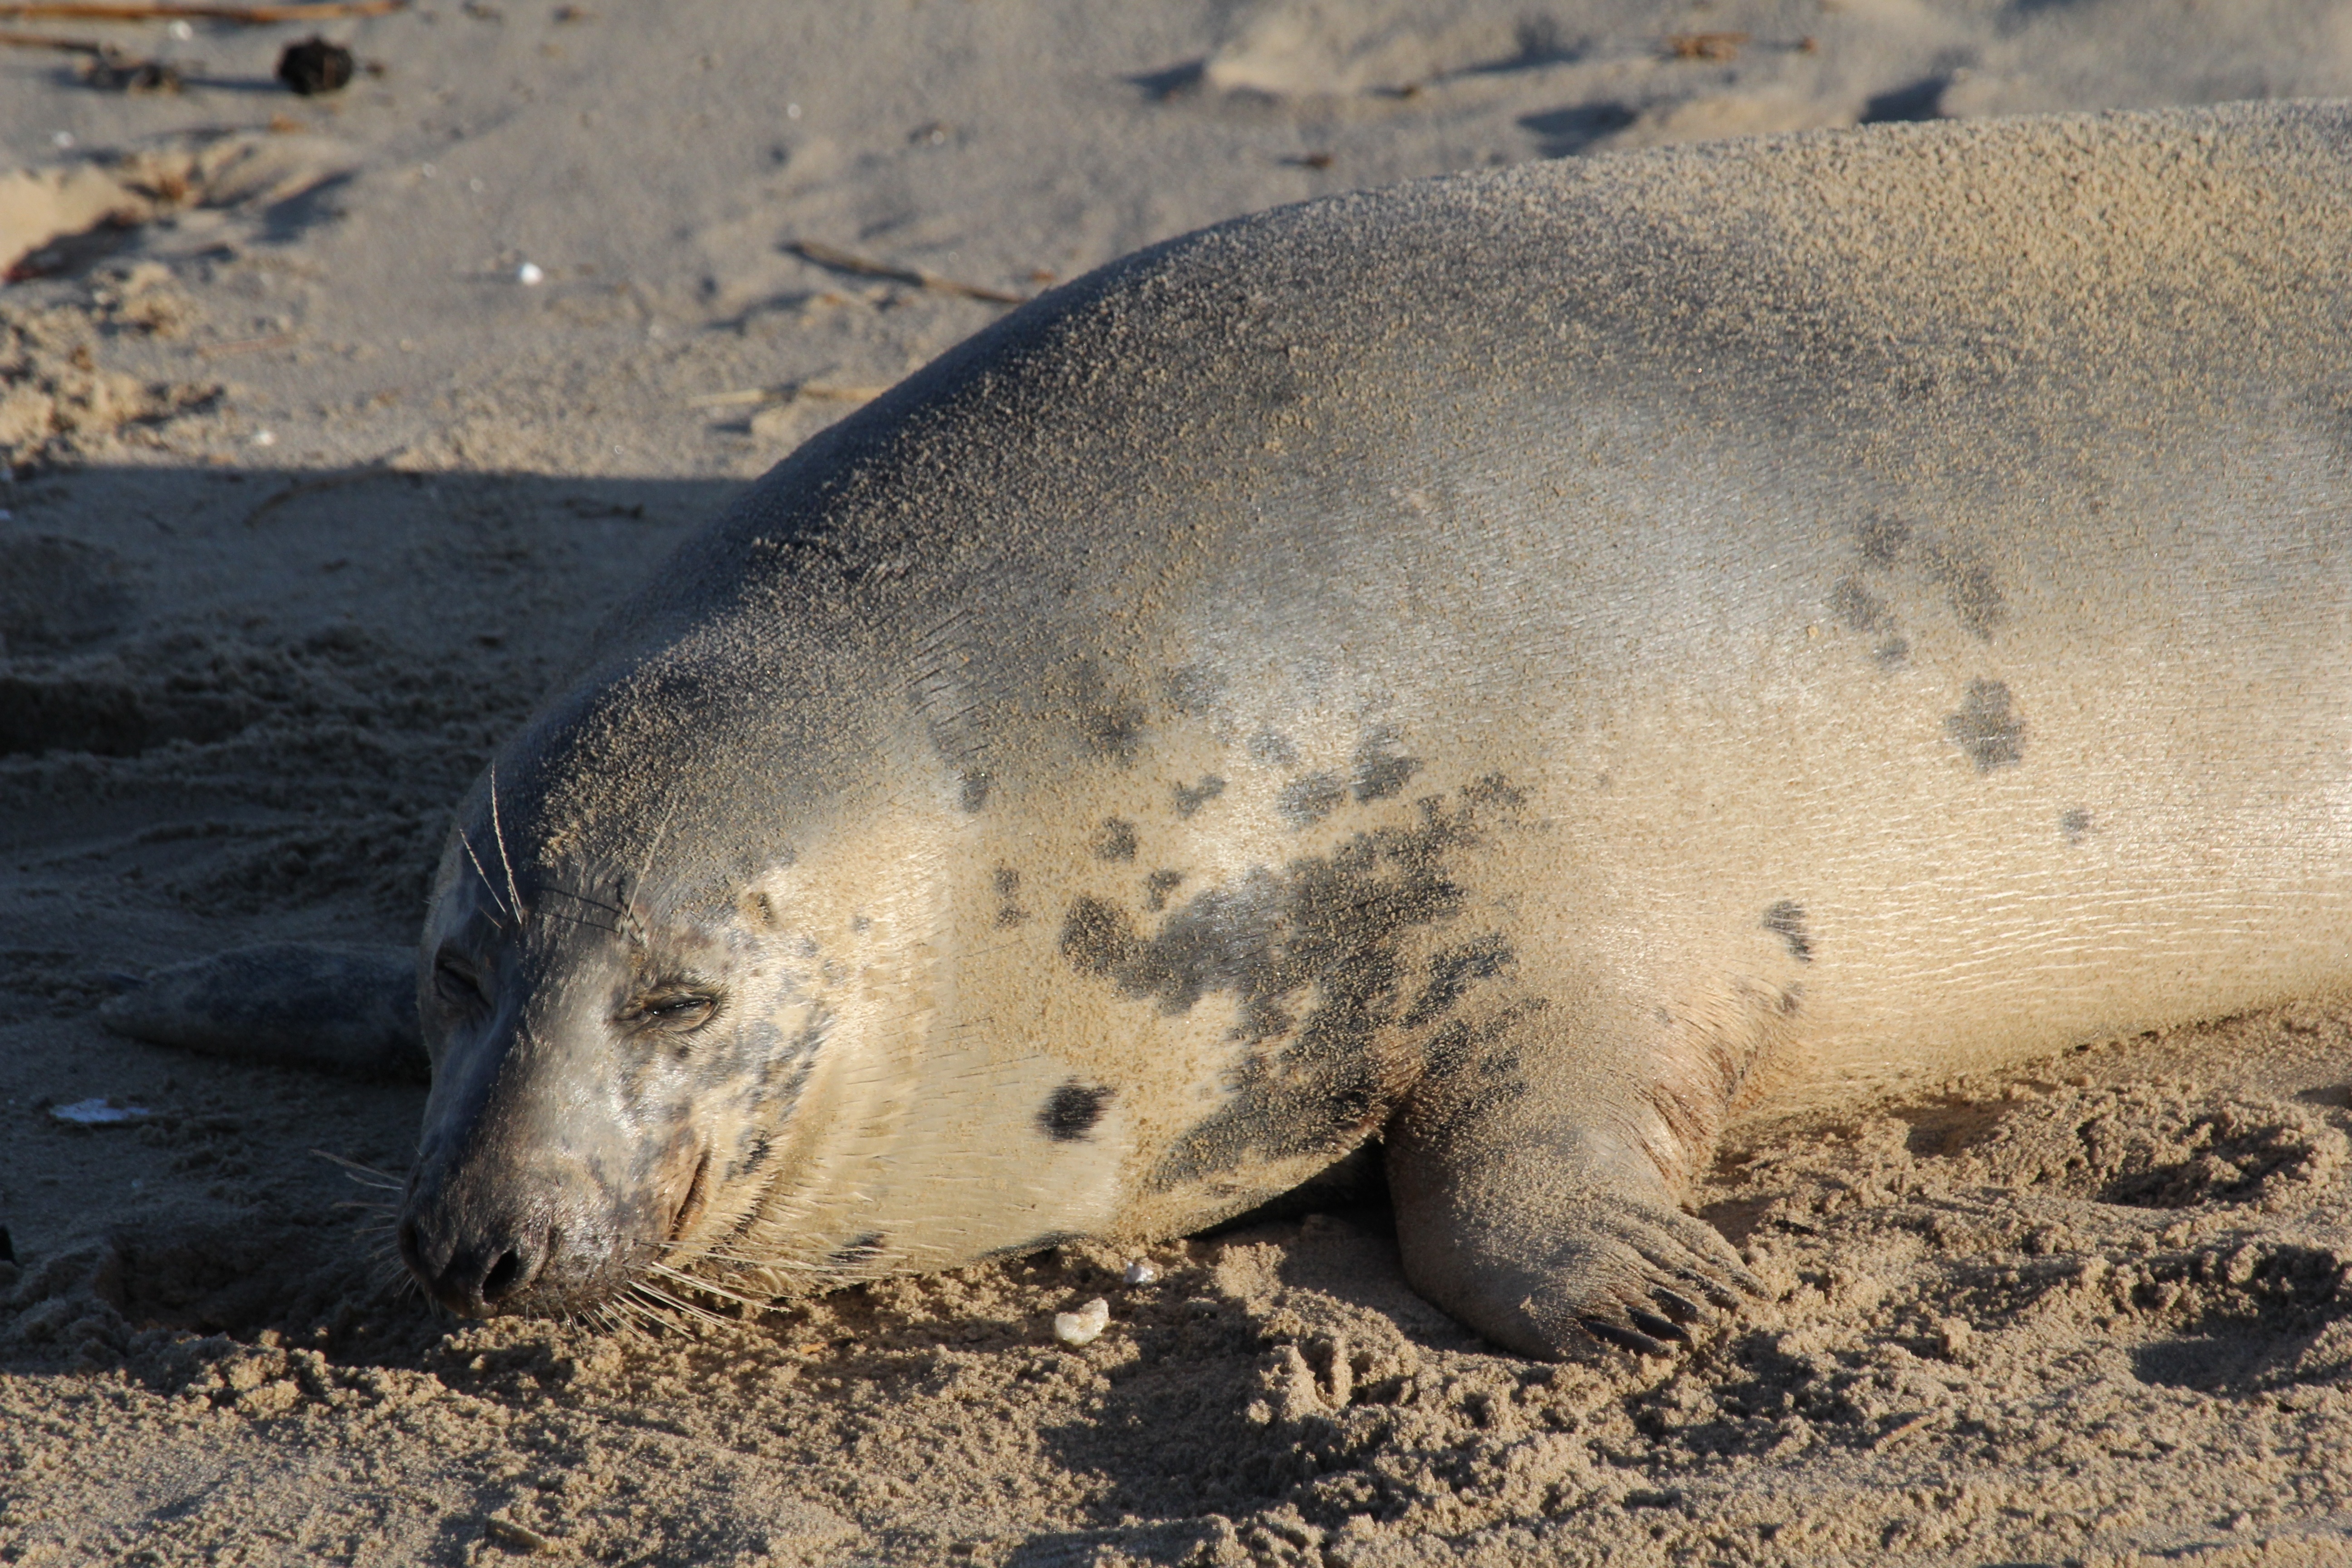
x,y
313,487
109,68
817,392
14,40
172,11
1705,46
824,255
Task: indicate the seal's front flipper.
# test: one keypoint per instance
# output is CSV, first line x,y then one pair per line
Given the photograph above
x,y
350,1010
1549,1230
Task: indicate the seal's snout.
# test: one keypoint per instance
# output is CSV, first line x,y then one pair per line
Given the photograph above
x,y
479,1278
487,1235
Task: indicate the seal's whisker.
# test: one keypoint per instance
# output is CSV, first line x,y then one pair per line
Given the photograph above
x,y
668,1249
584,922
642,1312
659,1295
719,1254
645,866
678,1304
487,886
708,1286
642,1318
580,898
365,1174
500,832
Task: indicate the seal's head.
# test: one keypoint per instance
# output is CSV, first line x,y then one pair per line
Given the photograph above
x,y
622,1030
589,1051
676,981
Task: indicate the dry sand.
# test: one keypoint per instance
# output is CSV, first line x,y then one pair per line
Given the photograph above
x,y
312,493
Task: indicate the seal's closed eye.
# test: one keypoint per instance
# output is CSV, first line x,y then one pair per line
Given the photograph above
x,y
677,1008
459,985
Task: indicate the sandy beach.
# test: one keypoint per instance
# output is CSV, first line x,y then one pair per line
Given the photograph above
x,y
332,425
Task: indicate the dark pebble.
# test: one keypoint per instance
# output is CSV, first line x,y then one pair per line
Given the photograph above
x,y
315,66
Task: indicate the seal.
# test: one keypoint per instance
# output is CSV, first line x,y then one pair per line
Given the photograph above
x,y
1500,673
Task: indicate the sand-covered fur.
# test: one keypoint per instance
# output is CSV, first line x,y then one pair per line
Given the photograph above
x,y
1216,721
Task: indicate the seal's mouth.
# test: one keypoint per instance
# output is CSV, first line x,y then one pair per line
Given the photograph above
x,y
697,1199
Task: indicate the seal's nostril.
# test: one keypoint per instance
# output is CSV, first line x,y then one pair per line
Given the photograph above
x,y
514,1271
489,1268
500,1282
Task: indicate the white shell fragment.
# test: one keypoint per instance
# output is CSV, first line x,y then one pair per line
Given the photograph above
x,y
1084,1326
1141,1272
99,1113
529,273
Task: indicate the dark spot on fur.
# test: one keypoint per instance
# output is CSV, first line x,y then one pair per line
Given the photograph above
x,y
1272,750
1985,728
1158,886
1110,724
1452,972
1195,690
1881,539
795,1061
1115,840
1311,799
853,1254
1487,1050
1381,770
1095,938
1967,581
1786,919
2074,823
1273,385
1313,956
1856,607
1113,731
976,788
1892,652
753,1157
1191,798
1072,1111
1009,913
1494,793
